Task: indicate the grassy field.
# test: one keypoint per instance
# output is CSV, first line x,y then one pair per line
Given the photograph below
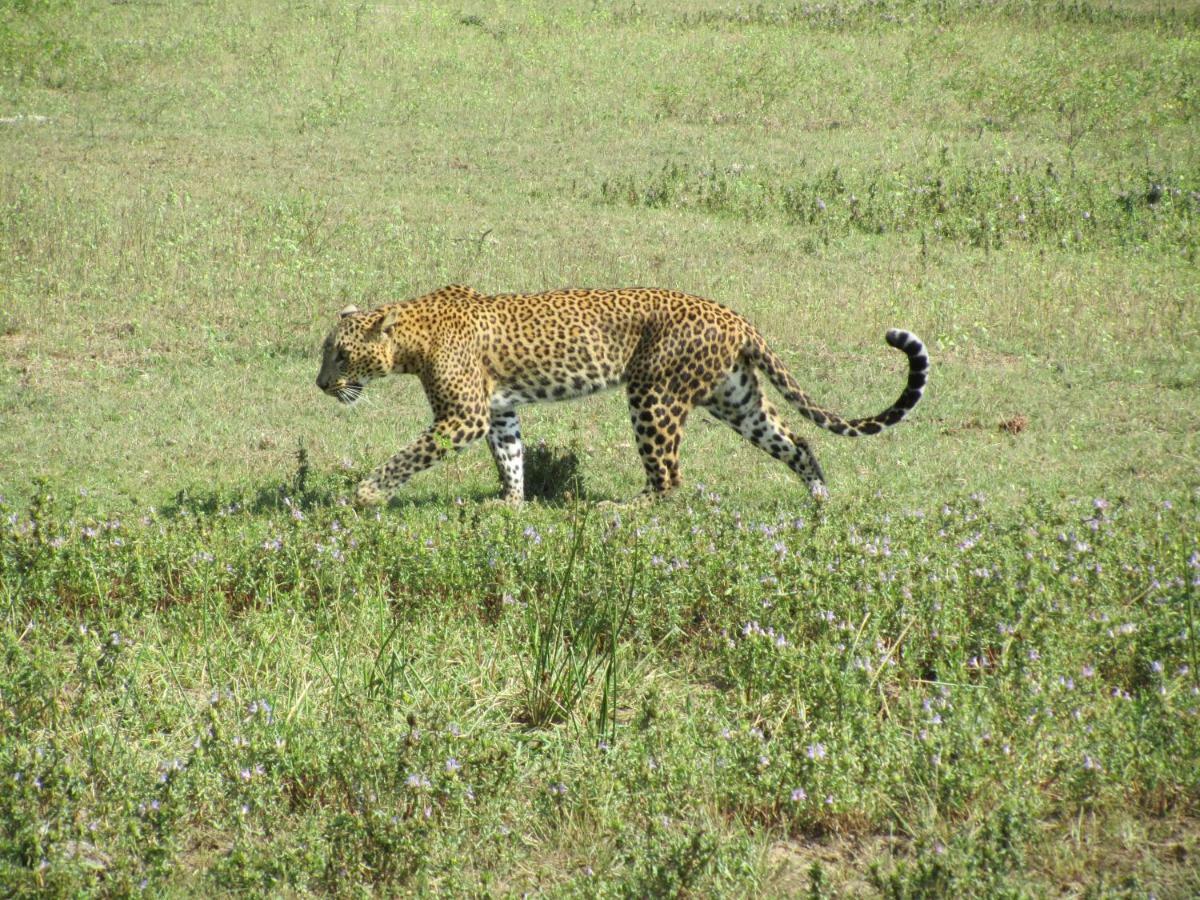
x,y
974,670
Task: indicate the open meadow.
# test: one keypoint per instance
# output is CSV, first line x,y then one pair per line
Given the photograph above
x,y
974,670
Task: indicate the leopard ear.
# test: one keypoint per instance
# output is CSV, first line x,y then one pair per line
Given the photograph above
x,y
348,311
386,321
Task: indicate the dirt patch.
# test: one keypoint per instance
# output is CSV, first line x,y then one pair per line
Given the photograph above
x,y
838,864
1014,424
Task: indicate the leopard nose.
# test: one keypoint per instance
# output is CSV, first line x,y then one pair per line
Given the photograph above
x,y
322,382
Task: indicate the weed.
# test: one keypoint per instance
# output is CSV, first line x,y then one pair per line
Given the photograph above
x,y
863,673
983,205
570,642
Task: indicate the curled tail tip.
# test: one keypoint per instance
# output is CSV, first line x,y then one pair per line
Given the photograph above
x,y
904,340
914,347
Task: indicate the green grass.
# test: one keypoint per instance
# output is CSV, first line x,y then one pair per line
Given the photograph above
x,y
188,193
247,692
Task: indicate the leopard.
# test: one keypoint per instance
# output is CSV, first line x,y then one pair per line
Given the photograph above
x,y
480,357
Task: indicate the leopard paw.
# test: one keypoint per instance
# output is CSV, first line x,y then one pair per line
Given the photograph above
x,y
368,493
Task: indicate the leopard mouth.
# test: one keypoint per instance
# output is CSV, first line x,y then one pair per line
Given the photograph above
x,y
349,393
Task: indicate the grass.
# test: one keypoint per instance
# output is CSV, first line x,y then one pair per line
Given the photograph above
x,y
295,697
974,670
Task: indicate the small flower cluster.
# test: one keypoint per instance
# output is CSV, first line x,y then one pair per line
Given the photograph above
x,y
753,629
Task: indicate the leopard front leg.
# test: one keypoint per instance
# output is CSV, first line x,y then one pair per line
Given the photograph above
x,y
439,439
504,439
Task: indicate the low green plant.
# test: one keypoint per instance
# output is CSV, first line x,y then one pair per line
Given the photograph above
x,y
573,640
983,204
332,698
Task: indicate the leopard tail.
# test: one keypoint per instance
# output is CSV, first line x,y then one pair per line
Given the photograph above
x,y
918,371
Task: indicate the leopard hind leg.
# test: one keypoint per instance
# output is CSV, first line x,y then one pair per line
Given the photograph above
x,y
658,419
738,401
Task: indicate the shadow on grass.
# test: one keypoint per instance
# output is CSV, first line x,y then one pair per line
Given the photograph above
x,y
552,477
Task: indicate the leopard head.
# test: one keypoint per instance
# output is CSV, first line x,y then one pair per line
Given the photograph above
x,y
356,351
